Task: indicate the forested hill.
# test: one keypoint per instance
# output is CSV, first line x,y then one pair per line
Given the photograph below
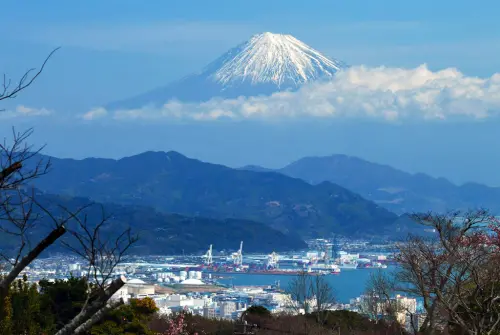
x,y
173,183
159,233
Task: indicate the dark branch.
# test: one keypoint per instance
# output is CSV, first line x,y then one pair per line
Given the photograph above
x,y
32,255
91,309
9,92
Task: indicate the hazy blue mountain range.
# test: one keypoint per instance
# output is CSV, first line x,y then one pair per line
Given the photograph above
x,y
265,64
162,233
173,183
396,190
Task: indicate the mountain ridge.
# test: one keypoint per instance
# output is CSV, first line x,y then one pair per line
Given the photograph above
x,y
174,183
160,233
396,190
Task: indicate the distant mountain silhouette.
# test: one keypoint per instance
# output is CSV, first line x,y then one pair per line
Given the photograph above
x,y
173,183
265,64
257,168
398,191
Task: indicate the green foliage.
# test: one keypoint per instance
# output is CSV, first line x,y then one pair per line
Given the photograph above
x,y
22,310
132,318
6,315
258,310
43,309
61,300
347,321
26,311
32,310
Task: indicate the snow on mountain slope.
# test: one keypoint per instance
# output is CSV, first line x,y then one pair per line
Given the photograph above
x,y
265,64
273,58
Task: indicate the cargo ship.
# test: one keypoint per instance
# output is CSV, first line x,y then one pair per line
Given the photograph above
x,y
280,272
261,272
348,265
326,268
348,261
373,265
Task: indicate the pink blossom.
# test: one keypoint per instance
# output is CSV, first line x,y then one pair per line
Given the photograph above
x,y
177,326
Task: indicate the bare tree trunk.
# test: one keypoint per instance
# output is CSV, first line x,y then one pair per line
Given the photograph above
x,y
24,262
31,256
18,218
88,311
10,170
98,316
323,294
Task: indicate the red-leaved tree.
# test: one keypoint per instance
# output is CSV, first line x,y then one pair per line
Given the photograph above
x,y
456,272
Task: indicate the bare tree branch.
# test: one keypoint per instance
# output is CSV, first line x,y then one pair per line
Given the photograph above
x,y
13,156
310,293
456,273
323,296
7,91
21,213
300,293
32,255
97,317
91,309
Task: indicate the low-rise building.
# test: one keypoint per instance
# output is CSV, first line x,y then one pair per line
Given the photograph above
x,y
209,312
227,308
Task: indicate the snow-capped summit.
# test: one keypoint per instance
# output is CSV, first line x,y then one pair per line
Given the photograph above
x,y
265,64
272,58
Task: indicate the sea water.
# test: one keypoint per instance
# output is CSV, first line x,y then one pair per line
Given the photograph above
x,y
347,285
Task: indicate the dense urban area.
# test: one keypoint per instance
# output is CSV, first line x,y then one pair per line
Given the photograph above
x,y
191,283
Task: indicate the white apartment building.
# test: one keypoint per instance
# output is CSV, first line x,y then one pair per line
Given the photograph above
x,y
227,308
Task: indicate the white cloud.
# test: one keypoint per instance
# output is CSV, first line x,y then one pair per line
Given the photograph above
x,y
24,111
392,94
94,113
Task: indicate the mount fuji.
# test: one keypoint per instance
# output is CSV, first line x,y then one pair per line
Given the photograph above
x,y
265,64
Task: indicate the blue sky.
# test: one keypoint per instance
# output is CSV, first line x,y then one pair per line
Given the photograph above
x,y
116,49
113,49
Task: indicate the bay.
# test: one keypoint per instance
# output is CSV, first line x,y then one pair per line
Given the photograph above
x,y
347,285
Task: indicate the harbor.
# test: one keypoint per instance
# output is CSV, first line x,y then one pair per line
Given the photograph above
x,y
323,258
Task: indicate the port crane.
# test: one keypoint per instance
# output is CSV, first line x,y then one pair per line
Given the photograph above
x,y
335,247
328,251
208,256
238,256
272,260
